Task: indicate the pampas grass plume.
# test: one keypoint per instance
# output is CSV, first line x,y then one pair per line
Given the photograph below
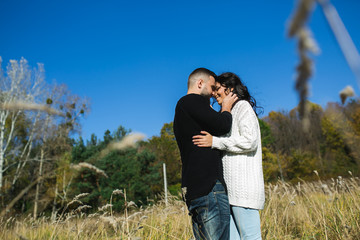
x,y
129,141
19,105
81,165
347,92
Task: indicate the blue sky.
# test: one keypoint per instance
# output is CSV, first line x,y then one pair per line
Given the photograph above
x,y
132,58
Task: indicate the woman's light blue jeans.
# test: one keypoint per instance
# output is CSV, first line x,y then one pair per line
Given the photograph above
x,y
244,223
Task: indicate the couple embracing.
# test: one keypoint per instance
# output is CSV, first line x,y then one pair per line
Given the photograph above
x,y
222,177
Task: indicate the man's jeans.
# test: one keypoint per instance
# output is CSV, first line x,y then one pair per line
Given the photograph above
x,y
211,214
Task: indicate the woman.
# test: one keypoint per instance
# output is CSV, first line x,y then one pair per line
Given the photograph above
x,y
242,158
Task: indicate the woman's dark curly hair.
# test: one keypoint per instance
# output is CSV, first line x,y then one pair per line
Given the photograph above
x,y
230,81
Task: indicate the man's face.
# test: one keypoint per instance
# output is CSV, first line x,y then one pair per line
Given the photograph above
x,y
208,87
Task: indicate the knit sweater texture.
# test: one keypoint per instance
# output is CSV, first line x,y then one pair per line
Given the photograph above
x,y
242,158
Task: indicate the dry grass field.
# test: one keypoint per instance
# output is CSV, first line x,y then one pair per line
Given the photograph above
x,y
307,210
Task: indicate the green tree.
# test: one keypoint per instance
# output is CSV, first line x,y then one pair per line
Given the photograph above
x,y
133,169
341,141
300,165
166,151
36,120
267,139
271,169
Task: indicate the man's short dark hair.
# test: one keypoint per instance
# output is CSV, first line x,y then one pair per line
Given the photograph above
x,y
197,73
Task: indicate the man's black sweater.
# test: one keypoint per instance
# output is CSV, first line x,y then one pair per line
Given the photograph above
x,y
201,166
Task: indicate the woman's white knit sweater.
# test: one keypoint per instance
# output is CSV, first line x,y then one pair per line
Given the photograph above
x,y
242,158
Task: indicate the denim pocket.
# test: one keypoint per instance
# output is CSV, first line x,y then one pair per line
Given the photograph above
x,y
199,209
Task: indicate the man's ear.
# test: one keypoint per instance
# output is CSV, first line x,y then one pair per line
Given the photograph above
x,y
200,82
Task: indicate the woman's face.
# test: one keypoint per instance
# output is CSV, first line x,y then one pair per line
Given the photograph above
x,y
220,93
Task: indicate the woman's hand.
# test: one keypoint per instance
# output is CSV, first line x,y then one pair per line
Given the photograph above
x,y
204,140
228,102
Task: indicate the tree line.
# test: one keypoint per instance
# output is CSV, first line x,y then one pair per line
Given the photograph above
x,y
329,146
39,154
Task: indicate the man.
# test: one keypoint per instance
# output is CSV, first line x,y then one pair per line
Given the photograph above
x,y
202,175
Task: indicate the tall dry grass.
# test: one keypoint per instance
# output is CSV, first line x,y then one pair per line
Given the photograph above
x,y
308,210
312,210
157,221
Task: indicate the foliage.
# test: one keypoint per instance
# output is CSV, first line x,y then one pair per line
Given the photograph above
x,y
267,139
166,151
36,121
270,165
36,143
329,146
132,169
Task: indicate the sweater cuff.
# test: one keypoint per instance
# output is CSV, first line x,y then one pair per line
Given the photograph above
x,y
215,142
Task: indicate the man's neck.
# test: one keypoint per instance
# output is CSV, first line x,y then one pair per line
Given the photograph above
x,y
194,91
